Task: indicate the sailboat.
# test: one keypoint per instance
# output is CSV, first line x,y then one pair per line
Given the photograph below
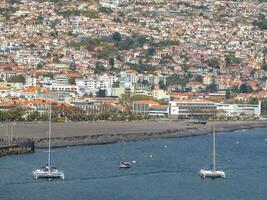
x,y
124,164
48,171
213,172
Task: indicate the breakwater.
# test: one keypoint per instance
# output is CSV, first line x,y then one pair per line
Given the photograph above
x,y
16,147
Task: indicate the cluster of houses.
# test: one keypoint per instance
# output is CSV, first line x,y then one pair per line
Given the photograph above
x,y
54,50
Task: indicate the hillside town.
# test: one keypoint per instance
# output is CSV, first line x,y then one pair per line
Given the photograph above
x,y
130,60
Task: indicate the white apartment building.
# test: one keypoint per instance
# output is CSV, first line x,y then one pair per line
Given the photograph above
x,y
63,88
93,85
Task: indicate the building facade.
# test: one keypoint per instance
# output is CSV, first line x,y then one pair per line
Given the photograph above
x,y
192,108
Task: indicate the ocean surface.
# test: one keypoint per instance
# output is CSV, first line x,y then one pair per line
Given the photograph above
x,y
165,169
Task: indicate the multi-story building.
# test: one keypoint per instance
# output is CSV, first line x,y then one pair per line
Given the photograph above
x,y
231,110
62,80
143,106
63,88
93,85
192,108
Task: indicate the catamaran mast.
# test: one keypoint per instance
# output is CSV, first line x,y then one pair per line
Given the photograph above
x,y
213,146
49,135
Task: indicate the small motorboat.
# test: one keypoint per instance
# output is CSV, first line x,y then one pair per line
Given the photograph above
x,y
124,164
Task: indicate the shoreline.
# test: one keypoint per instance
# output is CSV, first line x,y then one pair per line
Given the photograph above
x,y
100,133
106,132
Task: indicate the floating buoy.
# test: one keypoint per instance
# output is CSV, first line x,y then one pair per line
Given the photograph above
x,y
150,156
165,146
237,142
265,139
133,161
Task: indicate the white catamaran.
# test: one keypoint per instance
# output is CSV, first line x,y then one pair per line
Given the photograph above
x,y
212,173
48,171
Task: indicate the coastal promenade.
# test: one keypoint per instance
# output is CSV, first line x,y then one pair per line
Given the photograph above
x,y
80,133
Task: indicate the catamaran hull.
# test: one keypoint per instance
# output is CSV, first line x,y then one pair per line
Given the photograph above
x,y
48,175
211,174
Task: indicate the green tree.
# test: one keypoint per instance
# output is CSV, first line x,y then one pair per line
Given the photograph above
x,y
17,79
264,67
116,84
162,85
116,36
105,10
111,62
235,89
253,100
261,22
99,69
228,94
151,51
33,116
214,63
212,87
245,88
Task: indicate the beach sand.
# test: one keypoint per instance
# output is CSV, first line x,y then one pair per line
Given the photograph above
x,y
81,133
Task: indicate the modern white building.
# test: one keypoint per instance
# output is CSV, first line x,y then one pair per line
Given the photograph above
x,y
93,85
191,108
231,110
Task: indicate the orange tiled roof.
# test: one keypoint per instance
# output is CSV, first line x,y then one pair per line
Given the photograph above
x,y
73,75
146,102
4,88
7,103
32,89
159,106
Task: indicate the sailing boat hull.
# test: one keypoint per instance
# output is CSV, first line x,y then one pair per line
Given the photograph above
x,y
46,174
211,174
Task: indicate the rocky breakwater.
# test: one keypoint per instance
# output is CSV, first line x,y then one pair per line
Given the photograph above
x,y
15,147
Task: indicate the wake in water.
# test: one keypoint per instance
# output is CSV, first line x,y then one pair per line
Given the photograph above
x,y
93,178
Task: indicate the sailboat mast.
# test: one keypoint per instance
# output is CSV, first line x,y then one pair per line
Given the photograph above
x,y
213,146
49,135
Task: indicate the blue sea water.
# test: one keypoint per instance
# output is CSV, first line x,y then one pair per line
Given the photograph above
x,y
164,169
